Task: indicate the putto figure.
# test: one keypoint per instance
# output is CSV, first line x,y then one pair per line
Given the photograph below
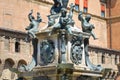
x,y
34,24
86,26
65,21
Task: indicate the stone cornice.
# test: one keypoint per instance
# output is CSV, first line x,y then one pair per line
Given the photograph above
x,y
21,35
106,50
12,33
113,19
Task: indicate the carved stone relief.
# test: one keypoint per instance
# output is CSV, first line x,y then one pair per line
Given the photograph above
x,y
76,50
47,51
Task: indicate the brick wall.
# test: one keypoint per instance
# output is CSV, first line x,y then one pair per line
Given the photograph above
x,y
113,15
14,16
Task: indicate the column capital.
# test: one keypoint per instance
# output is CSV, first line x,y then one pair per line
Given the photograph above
x,y
12,40
2,38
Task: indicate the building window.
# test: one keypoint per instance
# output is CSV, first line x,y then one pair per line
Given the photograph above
x,y
21,62
103,59
102,13
115,59
17,47
102,10
85,7
9,63
77,5
85,10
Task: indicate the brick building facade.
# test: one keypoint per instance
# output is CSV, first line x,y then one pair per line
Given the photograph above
x,y
113,22
13,20
113,15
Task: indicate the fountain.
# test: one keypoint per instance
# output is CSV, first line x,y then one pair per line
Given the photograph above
x,y
60,52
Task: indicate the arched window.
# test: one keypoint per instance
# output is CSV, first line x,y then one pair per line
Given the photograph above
x,y
21,62
9,63
103,59
17,46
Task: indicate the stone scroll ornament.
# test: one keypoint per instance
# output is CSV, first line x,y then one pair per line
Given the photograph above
x,y
47,51
76,49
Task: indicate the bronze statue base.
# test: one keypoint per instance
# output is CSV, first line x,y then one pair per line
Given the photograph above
x,y
60,72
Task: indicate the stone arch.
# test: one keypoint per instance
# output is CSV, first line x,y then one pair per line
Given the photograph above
x,y
20,62
9,63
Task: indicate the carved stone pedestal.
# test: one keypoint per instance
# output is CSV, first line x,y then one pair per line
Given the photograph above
x,y
62,56
60,72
